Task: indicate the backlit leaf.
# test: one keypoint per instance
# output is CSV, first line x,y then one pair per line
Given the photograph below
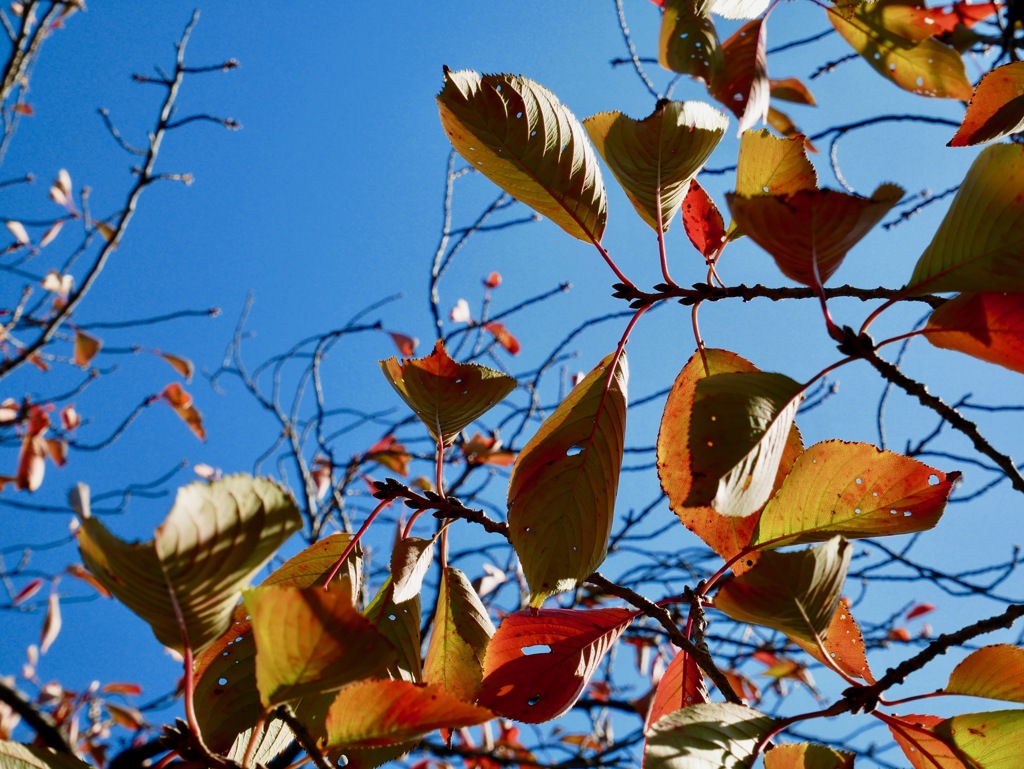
x,y
51,623
406,344
17,229
14,755
86,347
181,402
989,326
738,433
811,227
378,713
742,82
681,686
795,592
458,641
739,9
996,109
980,243
183,366
311,640
446,395
539,661
915,735
410,559
561,495
791,89
688,43
702,221
712,735
273,739
399,622
992,739
504,337
855,490
844,643
769,165
215,539
654,159
726,535
996,672
804,755
517,134
925,67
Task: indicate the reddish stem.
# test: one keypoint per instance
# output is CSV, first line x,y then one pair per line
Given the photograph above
x,y
355,540
661,237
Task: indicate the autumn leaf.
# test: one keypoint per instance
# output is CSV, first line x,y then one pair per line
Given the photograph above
x,y
793,90
14,755
712,734
181,402
989,739
183,366
503,336
844,644
86,347
487,450
517,134
389,453
923,748
681,686
996,109
215,539
805,755
987,325
702,221
772,166
688,43
995,672
742,82
32,587
446,395
539,661
978,245
406,344
410,559
399,623
561,495
655,159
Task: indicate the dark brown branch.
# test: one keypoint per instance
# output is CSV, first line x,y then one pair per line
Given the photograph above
x,y
702,292
43,725
304,738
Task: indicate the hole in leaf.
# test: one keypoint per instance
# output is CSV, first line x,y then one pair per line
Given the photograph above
x,y
392,617
238,639
536,649
573,451
710,444
222,681
519,114
933,480
892,512
342,761
859,481
907,514
533,700
857,511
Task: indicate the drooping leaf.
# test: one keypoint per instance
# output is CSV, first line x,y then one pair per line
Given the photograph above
x,y
925,67
561,495
992,739
274,737
216,538
922,747
784,124
769,165
181,402
410,559
854,490
702,221
539,661
996,109
504,337
183,366
738,433
738,9
446,395
406,344
372,714
86,348
726,535
310,641
227,701
389,453
517,134
987,325
805,755
458,642
796,592
996,672
681,686
14,755
980,243
811,227
844,643
742,82
791,89
51,623
688,43
399,622
713,734
655,159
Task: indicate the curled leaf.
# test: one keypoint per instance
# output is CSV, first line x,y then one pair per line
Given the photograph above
x,y
742,82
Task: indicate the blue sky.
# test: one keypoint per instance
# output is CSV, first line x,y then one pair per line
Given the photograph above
x,y
329,199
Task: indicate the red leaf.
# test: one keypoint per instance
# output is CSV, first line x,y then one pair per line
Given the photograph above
x,y
919,609
505,339
86,347
989,326
389,453
493,280
23,109
923,748
742,84
406,344
129,690
181,402
702,221
539,661
681,686
28,591
480,450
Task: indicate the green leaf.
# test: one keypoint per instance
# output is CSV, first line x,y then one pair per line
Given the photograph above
x,y
14,755
796,593
980,244
925,67
773,166
311,640
215,539
996,109
517,134
738,432
688,43
274,737
446,395
373,714
916,737
561,495
805,755
716,735
854,490
809,232
458,642
995,672
992,739
655,159
399,622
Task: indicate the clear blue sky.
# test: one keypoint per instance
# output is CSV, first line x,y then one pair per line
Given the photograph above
x,y
329,199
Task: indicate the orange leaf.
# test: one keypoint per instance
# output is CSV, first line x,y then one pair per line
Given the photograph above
x,y
989,326
128,718
804,755
681,686
129,690
539,661
480,450
23,109
406,344
844,643
923,748
702,221
181,402
79,571
182,365
493,280
811,230
791,89
920,609
504,337
996,672
996,109
86,347
742,83
377,713
389,453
